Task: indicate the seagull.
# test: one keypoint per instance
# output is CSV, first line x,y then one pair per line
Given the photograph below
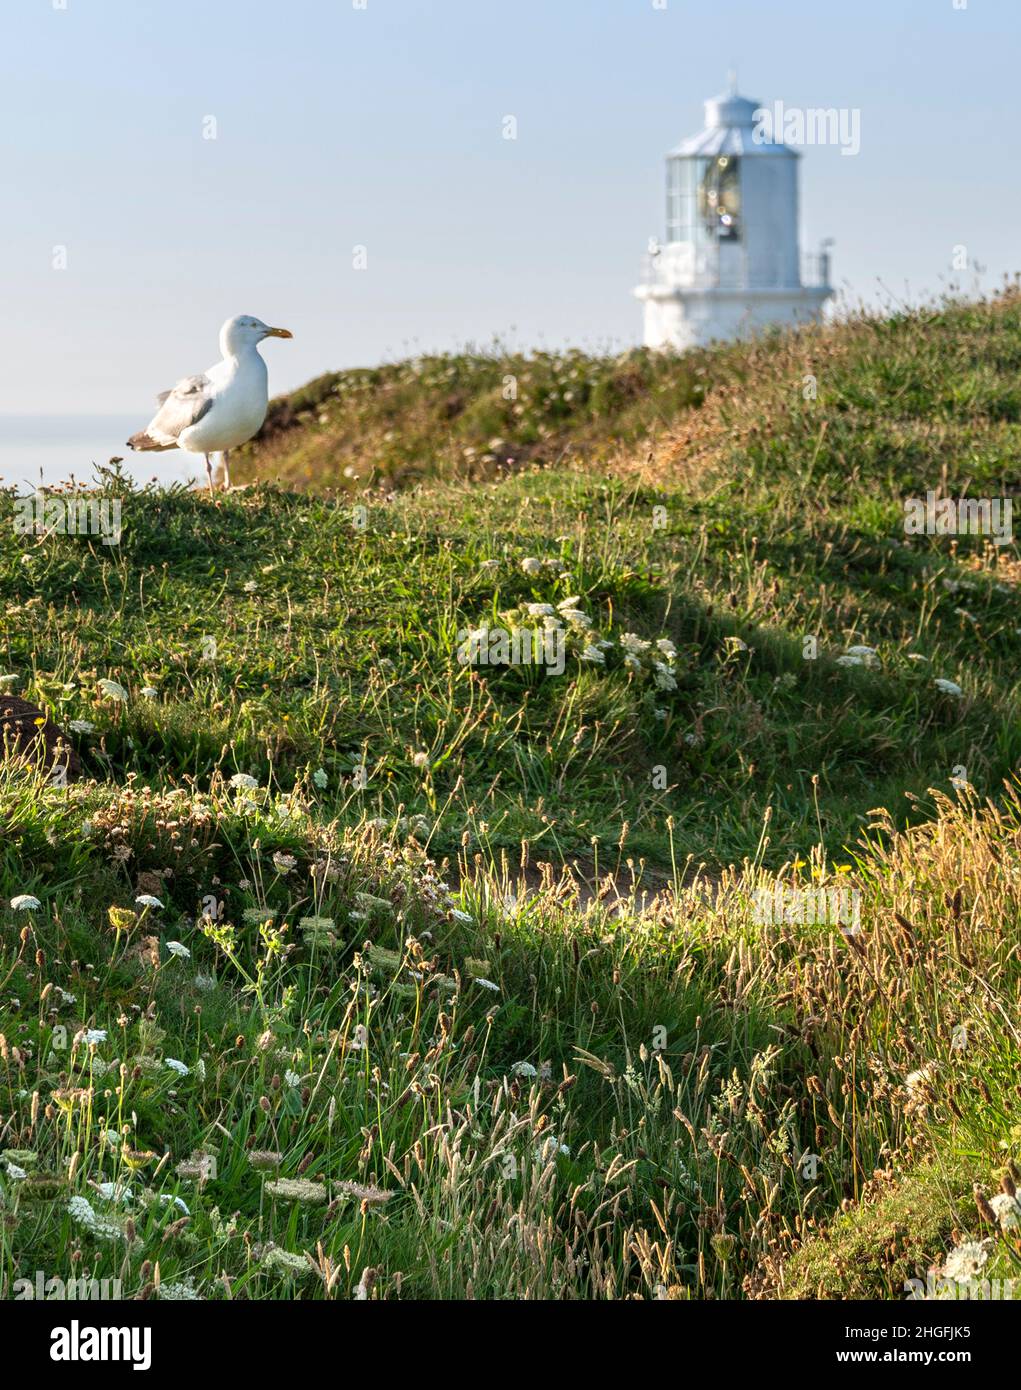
x,y
221,409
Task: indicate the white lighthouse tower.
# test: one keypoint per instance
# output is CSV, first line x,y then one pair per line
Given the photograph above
x,y
731,264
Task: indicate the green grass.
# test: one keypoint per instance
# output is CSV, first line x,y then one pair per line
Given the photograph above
x,y
467,415
449,1004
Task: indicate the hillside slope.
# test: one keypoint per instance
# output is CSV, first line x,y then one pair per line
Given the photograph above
x,y
761,540
294,998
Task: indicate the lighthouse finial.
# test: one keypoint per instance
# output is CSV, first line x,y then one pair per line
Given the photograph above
x,y
732,81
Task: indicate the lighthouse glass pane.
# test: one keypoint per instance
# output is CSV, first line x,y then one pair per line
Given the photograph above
x,y
675,216
681,199
719,198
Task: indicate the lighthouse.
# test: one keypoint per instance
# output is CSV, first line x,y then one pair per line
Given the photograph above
x,y
731,264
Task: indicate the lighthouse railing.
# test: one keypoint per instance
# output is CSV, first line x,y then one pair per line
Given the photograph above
x,y
683,266
815,270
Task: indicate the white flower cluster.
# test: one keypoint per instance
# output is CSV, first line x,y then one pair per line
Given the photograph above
x,y
651,658
80,1209
643,658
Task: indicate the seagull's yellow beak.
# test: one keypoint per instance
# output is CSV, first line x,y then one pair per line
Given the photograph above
x,y
280,333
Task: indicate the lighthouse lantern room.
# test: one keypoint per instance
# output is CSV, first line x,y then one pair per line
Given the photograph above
x,y
731,262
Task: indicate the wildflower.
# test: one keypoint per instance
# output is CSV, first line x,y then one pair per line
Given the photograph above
x,y
298,1190
135,1159
850,661
916,1082
320,778
177,948
421,760
735,644
966,1261
80,1210
374,1196
486,984
549,1148
292,1079
316,923
667,648
286,1262
664,677
205,983
487,566
250,587
948,687
284,863
540,610
181,1068
242,782
723,1246
460,916
149,692
917,656
593,654
21,1158
524,1069
113,1192
81,726
369,901
15,1173
200,1167
862,651
179,1291
265,1160
113,691
147,900
257,916
575,615
24,902
1007,1210
94,1036
532,566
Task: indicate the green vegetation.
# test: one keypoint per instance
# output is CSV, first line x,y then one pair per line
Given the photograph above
x,y
306,919
467,415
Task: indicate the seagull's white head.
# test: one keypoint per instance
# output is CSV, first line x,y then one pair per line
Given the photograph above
x,y
244,331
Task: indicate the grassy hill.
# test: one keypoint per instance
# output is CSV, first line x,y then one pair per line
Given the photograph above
x,y
367,974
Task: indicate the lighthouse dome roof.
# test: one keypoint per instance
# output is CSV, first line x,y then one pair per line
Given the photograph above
x,y
731,128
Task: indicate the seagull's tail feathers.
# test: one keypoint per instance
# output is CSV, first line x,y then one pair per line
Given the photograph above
x,y
145,442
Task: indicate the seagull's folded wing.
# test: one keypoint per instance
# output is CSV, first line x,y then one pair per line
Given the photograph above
x,y
180,408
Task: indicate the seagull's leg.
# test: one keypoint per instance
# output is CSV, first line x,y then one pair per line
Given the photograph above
x,y
225,457
209,472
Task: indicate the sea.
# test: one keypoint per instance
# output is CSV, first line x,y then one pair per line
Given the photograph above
x,y
52,449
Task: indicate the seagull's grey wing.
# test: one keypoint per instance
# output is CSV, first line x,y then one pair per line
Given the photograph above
x,y
179,409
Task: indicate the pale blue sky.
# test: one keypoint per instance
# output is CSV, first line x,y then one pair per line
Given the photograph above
x,y
382,127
